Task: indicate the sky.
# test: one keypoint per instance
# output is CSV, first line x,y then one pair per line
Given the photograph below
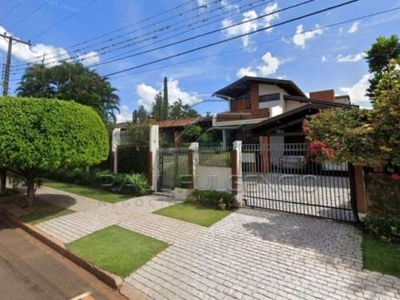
x,y
201,46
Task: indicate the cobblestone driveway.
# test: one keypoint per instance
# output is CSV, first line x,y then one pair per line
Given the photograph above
x,y
256,254
251,254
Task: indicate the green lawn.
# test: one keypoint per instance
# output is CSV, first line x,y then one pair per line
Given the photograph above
x,y
380,256
193,214
97,194
43,211
117,249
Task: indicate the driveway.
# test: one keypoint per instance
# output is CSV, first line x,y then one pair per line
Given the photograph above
x,y
259,254
251,254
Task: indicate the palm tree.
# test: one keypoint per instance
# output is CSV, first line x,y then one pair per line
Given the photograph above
x,y
36,82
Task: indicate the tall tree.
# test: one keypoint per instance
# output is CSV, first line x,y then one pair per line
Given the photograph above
x,y
165,104
142,114
378,58
178,110
71,81
157,107
47,135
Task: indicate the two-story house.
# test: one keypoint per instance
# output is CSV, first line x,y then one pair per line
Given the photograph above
x,y
269,109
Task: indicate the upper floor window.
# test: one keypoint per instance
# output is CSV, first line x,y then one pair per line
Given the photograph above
x,y
270,97
248,101
232,104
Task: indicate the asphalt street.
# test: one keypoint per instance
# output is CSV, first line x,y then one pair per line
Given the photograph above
x,y
31,270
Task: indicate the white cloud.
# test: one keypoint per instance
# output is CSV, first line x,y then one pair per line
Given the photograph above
x,y
269,65
246,72
301,36
324,58
251,26
147,94
202,2
36,53
270,9
350,58
354,27
89,58
357,92
125,114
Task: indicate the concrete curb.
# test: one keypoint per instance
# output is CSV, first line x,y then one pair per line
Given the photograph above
x,y
108,278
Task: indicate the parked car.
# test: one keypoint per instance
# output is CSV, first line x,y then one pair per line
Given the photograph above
x,y
297,162
329,166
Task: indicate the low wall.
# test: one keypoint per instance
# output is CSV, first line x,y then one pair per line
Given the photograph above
x,y
213,178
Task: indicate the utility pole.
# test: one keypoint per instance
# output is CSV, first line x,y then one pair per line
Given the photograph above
x,y
8,62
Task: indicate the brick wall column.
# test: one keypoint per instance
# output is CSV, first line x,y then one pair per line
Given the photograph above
x,y
236,173
266,162
360,192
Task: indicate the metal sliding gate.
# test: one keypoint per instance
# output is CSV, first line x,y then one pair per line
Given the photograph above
x,y
173,163
284,177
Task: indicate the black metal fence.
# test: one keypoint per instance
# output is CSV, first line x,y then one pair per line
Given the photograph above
x,y
173,167
285,177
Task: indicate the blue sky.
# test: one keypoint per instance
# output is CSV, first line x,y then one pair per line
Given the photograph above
x,y
196,45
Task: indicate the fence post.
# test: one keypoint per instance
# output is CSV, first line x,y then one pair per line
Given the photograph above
x,y
115,142
153,156
360,192
236,175
193,159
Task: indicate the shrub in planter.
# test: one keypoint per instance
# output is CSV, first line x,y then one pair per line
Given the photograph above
x,y
386,229
209,198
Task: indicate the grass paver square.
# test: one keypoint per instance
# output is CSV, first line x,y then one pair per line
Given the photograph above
x,y
193,214
116,249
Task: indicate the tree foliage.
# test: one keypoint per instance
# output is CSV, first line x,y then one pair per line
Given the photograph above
x,y
71,81
37,134
362,137
378,58
178,110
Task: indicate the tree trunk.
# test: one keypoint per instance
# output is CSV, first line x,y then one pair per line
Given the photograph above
x,y
3,179
30,183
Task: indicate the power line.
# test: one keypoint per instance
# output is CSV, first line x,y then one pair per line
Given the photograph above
x,y
30,14
260,43
233,38
147,36
65,19
11,10
112,59
198,36
120,29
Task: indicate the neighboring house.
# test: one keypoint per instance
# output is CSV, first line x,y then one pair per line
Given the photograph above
x,y
270,109
173,131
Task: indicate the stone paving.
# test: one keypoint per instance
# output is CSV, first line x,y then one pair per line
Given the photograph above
x,y
251,254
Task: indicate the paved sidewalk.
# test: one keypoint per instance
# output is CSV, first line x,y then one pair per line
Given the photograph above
x,y
251,254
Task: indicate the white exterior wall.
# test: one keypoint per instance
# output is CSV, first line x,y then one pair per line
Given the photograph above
x,y
213,178
289,105
277,107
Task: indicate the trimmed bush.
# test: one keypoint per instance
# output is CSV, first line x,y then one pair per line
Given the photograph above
x,y
212,199
386,229
131,184
383,195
